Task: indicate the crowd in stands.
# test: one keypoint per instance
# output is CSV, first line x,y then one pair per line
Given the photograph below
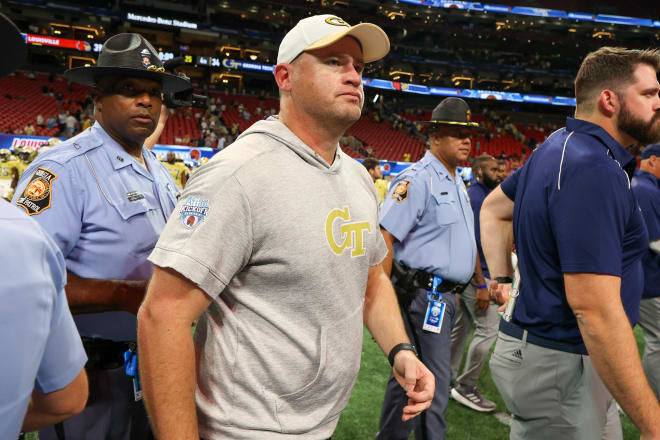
x,y
215,128
388,130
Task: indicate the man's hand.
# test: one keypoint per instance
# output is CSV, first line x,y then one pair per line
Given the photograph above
x,y
483,299
499,293
417,380
89,295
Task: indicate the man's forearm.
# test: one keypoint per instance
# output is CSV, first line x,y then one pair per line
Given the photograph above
x,y
167,372
382,315
48,409
478,273
88,295
613,351
608,336
497,244
496,220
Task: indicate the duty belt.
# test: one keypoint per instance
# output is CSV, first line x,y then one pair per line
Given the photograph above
x,y
105,354
420,279
408,283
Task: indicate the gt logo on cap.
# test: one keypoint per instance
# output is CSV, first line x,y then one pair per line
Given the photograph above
x,y
336,21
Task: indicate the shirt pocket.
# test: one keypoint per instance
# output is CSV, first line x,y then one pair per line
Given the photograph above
x,y
138,228
446,211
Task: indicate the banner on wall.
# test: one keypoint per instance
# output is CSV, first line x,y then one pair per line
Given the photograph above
x,y
12,141
189,155
66,43
393,168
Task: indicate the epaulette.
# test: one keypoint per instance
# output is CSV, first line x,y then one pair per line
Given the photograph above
x,y
413,169
74,147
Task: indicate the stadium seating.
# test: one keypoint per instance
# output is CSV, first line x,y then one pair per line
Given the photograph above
x,y
27,101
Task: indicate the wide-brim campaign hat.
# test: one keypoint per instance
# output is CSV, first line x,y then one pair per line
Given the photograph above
x,y
129,55
13,44
321,31
453,112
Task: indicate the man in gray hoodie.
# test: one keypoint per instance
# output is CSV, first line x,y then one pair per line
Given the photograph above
x,y
275,243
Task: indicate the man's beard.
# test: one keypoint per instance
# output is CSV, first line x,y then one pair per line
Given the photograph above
x,y
643,132
489,183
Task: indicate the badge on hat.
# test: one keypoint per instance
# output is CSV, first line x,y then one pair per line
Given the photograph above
x,y
37,194
146,58
336,21
400,192
128,55
194,211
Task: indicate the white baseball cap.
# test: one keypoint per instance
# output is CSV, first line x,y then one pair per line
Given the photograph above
x,y
323,30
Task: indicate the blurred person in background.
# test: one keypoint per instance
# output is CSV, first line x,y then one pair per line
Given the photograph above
x,y
373,167
502,170
177,169
475,306
646,187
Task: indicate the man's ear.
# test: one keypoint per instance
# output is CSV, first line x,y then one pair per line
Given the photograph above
x,y
283,73
609,102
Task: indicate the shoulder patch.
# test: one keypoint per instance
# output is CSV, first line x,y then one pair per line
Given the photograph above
x,y
37,194
193,212
400,192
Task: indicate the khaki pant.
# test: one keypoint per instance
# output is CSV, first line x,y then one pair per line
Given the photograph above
x,y
486,323
649,320
552,394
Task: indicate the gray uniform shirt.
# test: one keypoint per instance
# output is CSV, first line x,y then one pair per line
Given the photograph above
x,y
283,243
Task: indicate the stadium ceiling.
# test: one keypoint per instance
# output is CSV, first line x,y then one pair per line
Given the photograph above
x,y
433,47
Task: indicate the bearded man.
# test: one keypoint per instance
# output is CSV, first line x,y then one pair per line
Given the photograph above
x,y
568,350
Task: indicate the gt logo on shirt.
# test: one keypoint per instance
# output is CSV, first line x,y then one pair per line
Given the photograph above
x,y
351,233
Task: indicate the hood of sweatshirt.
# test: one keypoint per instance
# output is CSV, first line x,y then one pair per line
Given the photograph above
x,y
274,128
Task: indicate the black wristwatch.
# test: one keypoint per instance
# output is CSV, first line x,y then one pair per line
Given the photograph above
x,y
504,280
397,348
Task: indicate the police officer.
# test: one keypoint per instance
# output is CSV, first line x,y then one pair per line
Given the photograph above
x,y
43,359
105,198
428,225
646,187
580,239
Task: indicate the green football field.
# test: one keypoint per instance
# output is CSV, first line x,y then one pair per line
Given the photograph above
x,y
360,419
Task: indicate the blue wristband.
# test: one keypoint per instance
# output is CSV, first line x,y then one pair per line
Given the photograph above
x,y
482,287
